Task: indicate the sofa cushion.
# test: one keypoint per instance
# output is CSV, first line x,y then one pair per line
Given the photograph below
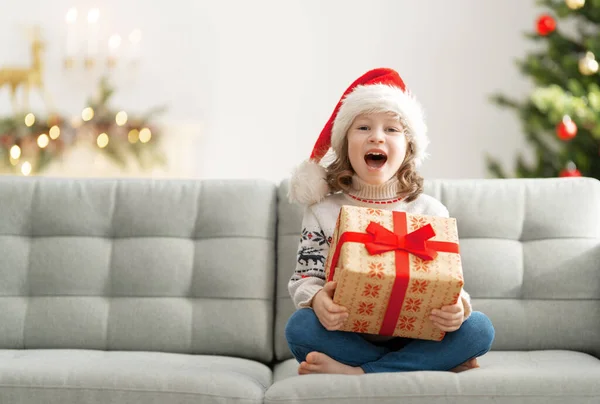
x,y
138,264
86,376
540,377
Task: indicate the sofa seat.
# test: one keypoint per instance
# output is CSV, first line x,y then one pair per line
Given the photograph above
x,y
89,376
540,377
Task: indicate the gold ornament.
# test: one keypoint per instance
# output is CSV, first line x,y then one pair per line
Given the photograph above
x,y
588,64
26,77
575,4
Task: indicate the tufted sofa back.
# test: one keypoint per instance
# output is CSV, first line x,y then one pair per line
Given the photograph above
x,y
177,266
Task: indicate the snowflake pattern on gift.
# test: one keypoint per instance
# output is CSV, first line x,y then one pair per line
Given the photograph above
x,y
366,308
374,212
421,265
456,259
417,222
419,286
407,323
371,290
413,304
376,270
360,326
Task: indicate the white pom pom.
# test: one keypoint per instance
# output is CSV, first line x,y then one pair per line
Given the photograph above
x,y
307,184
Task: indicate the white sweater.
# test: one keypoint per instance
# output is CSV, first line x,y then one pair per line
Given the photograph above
x,y
318,225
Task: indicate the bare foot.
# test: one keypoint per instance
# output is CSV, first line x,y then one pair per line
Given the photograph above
x,y
317,362
470,364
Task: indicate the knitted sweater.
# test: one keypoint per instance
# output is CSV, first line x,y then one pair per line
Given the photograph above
x,y
319,222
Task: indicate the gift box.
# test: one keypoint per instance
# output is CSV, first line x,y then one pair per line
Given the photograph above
x,y
392,269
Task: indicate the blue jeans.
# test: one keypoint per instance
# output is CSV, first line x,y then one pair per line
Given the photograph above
x,y
305,333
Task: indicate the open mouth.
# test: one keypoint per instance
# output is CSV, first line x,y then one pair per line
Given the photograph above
x,y
375,159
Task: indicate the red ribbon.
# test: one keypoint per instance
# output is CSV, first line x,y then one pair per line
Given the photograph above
x,y
378,240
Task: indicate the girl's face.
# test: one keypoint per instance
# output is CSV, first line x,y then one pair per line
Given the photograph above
x,y
376,146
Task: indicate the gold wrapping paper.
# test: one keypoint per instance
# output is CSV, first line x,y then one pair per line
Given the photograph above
x,y
364,281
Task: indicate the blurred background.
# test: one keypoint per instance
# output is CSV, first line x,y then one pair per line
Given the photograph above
x,y
241,89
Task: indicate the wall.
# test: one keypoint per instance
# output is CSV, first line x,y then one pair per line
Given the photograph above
x,y
260,78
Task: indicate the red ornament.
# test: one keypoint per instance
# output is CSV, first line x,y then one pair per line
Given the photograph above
x,y
545,24
566,129
569,173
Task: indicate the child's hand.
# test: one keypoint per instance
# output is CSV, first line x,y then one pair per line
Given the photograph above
x,y
331,315
449,318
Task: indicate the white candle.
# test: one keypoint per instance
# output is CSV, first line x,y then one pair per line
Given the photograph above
x,y
71,19
135,37
93,16
113,44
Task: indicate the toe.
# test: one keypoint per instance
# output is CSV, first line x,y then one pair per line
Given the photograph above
x,y
312,357
304,368
473,363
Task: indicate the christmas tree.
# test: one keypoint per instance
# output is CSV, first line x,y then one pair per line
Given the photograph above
x,y
561,116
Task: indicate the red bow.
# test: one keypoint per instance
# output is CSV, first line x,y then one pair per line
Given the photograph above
x,y
384,240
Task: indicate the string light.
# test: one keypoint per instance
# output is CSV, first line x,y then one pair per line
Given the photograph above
x,y
26,168
102,140
575,4
54,132
133,136
43,140
121,118
15,152
588,64
29,119
87,114
145,135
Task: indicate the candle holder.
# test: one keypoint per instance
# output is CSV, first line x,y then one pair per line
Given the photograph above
x,y
84,46
69,63
89,63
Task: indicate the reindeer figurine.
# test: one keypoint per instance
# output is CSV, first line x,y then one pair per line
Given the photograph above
x,y
26,77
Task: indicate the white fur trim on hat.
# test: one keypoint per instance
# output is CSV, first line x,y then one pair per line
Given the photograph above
x,y
307,183
382,98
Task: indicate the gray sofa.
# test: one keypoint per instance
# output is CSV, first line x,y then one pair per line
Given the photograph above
x,y
174,291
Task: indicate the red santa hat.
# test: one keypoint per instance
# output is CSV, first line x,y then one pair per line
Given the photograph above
x,y
378,90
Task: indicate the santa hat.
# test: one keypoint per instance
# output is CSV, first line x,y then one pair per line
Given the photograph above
x,y
378,90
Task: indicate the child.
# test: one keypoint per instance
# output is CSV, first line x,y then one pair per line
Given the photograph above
x,y
378,136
